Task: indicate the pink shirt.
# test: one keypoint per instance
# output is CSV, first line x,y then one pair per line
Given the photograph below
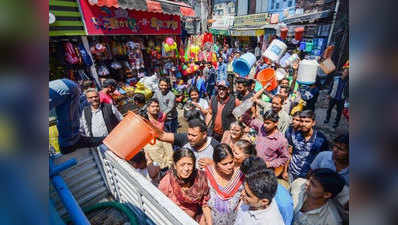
x,y
272,148
105,98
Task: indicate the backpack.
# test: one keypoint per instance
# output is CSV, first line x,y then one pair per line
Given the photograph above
x,y
70,54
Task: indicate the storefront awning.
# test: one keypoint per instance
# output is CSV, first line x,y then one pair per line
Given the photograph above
x,y
308,17
155,6
120,21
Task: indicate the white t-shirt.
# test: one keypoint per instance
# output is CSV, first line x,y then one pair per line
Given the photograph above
x,y
268,216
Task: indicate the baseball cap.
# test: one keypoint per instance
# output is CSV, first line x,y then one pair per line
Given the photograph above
x,y
223,83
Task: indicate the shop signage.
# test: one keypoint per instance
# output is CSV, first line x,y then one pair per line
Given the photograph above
x,y
104,20
251,20
252,33
222,22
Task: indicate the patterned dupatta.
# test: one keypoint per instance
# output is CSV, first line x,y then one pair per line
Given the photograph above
x,y
232,187
196,195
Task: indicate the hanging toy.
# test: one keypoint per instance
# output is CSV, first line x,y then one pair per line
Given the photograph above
x,y
170,41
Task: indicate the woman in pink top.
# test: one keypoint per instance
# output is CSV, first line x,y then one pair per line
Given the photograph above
x,y
187,187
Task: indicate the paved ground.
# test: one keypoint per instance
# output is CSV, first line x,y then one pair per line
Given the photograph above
x,y
320,112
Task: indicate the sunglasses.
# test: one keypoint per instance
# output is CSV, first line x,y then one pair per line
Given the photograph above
x,y
222,88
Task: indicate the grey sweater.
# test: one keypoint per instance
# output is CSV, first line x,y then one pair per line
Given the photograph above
x,y
167,104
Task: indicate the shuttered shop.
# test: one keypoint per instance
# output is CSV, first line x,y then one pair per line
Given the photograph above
x,y
68,18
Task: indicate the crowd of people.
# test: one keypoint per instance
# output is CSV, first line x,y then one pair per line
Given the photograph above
x,y
271,165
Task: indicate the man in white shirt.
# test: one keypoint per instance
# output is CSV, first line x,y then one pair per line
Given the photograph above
x,y
98,119
313,203
259,206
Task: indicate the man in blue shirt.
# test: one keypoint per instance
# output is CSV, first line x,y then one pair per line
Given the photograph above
x,y
307,143
337,94
221,70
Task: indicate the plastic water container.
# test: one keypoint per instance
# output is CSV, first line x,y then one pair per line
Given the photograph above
x,y
242,108
302,46
308,46
275,50
243,64
307,71
285,62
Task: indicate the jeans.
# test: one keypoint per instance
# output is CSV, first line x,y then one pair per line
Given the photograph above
x,y
64,96
171,125
339,109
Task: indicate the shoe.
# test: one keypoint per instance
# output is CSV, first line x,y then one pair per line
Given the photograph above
x,y
326,121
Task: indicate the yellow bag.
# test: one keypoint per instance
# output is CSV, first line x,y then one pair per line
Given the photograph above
x,y
53,137
140,88
299,107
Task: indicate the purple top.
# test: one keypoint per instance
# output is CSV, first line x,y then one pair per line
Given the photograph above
x,y
273,148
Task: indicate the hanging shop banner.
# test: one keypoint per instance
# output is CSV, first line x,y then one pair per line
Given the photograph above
x,y
114,21
251,20
252,33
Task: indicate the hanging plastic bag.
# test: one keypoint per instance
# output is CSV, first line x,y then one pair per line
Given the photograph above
x,y
103,71
85,56
70,54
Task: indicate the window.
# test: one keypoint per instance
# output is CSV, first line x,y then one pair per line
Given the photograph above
x,y
277,5
289,4
272,4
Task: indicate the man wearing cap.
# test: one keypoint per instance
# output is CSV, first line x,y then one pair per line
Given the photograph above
x,y
221,107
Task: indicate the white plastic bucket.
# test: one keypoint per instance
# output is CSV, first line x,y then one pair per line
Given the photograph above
x,y
307,71
275,50
280,73
243,64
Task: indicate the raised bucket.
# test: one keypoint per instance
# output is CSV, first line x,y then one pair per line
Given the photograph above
x,y
130,136
266,76
243,64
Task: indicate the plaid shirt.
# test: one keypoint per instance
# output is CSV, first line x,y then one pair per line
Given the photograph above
x,y
304,152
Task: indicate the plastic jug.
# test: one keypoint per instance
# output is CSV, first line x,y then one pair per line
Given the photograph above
x,y
307,71
275,50
243,64
302,46
242,108
265,76
285,62
308,46
130,136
